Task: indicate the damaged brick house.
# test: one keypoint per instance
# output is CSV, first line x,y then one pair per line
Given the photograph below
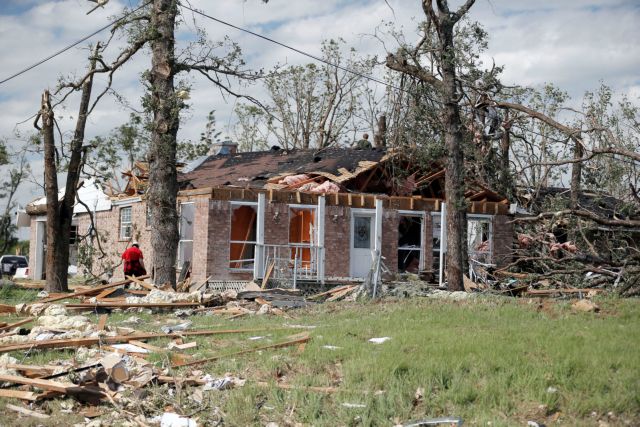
x,y
304,215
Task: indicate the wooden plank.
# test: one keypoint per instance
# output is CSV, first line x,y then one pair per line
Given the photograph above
x,y
132,305
89,291
105,293
32,371
16,324
28,412
79,342
290,343
39,383
146,346
4,308
147,286
19,394
102,322
265,280
186,346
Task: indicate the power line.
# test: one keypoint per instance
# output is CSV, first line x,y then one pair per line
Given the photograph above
x,y
301,52
74,44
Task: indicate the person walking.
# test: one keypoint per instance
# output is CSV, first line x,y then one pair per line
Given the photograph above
x,y
133,261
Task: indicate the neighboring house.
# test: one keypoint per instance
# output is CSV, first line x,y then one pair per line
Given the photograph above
x,y
35,217
306,214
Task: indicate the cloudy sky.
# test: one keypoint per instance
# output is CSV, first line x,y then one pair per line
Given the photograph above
x,y
574,44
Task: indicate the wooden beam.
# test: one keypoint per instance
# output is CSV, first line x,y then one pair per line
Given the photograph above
x,y
79,342
102,322
89,291
28,412
19,394
16,324
39,383
147,286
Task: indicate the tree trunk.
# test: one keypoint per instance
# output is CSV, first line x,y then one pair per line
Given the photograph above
x,y
454,174
576,174
163,181
60,213
506,182
56,282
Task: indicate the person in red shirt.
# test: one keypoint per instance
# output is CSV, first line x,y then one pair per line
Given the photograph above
x,y
133,261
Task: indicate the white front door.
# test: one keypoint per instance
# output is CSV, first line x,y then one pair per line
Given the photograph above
x,y
362,243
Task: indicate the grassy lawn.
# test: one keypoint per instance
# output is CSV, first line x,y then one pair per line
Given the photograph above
x,y
503,361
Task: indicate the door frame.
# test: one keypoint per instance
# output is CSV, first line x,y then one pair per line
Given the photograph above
x,y
371,213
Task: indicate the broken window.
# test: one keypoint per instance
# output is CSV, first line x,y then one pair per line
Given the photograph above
x,y
409,243
435,238
479,238
125,223
185,244
242,240
302,223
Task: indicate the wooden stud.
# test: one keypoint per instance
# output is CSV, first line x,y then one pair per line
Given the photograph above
x,y
102,322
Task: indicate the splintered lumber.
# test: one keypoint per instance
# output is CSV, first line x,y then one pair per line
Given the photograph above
x,y
340,294
4,308
32,371
87,292
290,343
19,394
139,281
265,280
120,304
40,383
146,346
28,412
105,293
85,342
332,291
19,323
102,322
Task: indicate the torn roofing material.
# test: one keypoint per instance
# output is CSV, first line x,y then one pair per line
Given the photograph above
x,y
260,169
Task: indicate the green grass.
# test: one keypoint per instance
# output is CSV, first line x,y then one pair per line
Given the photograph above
x,y
483,360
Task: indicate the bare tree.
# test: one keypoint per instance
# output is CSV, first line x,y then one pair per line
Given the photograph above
x,y
443,21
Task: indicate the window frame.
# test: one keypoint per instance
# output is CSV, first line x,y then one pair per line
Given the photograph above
x,y
421,248
123,224
313,238
182,241
254,243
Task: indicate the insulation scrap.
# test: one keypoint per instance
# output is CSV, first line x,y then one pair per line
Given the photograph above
x,y
325,187
66,323
293,179
159,296
5,360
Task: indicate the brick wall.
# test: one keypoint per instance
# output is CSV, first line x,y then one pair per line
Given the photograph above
x,y
108,225
390,221
212,222
503,239
200,240
337,241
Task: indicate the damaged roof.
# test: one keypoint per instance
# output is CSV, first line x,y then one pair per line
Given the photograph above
x,y
259,169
